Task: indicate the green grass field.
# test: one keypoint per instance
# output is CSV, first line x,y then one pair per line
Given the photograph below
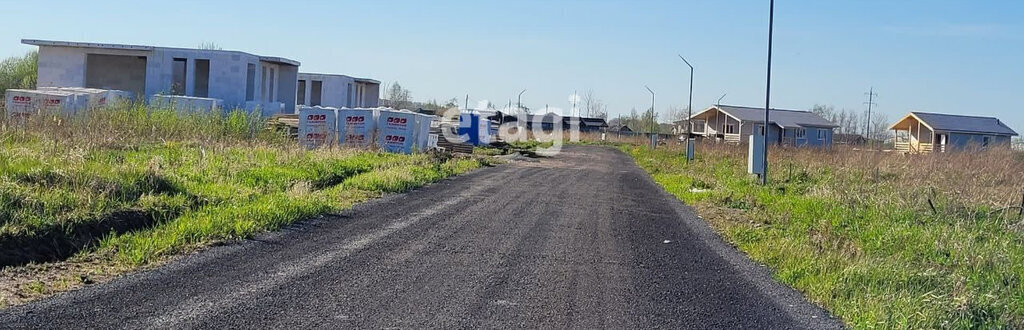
x,y
130,186
881,240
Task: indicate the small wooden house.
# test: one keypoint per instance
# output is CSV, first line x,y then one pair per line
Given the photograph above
x,y
920,132
786,127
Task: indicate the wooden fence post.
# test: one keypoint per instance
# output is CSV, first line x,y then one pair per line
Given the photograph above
x,y
1020,211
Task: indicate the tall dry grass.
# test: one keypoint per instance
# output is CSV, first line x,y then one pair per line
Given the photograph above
x,y
881,239
128,185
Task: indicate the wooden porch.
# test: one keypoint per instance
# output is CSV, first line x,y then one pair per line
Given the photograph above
x,y
914,136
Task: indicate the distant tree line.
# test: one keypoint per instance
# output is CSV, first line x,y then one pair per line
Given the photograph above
x,y
644,122
852,122
19,72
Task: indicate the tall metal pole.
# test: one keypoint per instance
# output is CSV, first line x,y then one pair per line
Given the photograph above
x,y
767,95
519,101
653,136
574,101
689,107
689,114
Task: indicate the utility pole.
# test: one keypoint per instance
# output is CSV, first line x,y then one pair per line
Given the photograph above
x,y
767,94
871,101
467,102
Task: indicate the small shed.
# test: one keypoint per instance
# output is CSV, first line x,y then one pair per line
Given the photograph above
x,y
921,132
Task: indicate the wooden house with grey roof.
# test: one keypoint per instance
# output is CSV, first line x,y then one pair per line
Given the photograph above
x,y
735,124
921,132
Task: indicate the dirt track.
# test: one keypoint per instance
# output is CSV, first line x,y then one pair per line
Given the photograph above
x,y
581,240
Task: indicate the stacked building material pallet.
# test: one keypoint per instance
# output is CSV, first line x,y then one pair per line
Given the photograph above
x,y
285,123
451,146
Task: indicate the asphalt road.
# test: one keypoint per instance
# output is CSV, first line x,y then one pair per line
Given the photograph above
x,y
581,240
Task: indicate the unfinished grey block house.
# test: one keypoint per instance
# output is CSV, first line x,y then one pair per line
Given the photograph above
x,y
335,90
922,132
240,80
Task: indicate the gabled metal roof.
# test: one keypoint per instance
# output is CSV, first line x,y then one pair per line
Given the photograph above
x,y
593,121
781,117
961,123
55,43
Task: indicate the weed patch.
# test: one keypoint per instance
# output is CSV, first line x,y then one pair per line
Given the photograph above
x,y
881,240
128,186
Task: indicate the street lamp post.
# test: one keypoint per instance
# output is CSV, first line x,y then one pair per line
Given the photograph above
x,y
654,137
689,114
767,95
519,101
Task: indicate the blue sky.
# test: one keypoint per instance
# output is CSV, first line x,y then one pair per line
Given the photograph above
x,y
938,56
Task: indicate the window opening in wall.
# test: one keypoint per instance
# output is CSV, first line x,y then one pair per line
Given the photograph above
x,y
250,82
316,93
272,87
178,72
801,133
348,97
300,95
202,78
263,85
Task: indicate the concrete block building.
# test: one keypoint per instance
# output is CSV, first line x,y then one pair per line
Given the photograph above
x,y
335,90
240,80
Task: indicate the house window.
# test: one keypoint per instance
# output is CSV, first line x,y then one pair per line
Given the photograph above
x,y
822,135
801,133
697,125
178,72
729,128
985,140
759,129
